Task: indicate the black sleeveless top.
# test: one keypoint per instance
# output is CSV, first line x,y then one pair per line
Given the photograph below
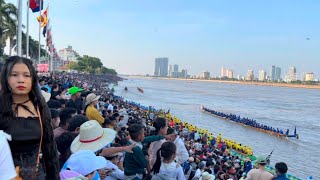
x,y
26,134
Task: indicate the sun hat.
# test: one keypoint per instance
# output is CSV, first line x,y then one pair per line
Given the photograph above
x,y
91,97
92,137
206,176
46,95
261,160
85,162
74,90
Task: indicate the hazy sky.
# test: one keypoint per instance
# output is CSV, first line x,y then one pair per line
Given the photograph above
x,y
198,35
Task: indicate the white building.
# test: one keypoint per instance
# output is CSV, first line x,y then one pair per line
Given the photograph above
x,y
291,75
226,73
250,75
68,54
309,76
262,75
230,73
223,72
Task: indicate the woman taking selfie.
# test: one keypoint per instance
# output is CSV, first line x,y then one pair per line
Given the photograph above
x,y
25,115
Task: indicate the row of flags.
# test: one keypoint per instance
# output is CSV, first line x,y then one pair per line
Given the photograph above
x,y
36,6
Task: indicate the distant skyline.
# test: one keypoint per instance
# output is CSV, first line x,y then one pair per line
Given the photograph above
x,y
198,35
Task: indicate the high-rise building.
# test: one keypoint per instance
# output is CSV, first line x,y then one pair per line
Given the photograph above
x,y
291,75
176,68
170,71
226,73
223,72
273,73
303,76
184,73
229,73
309,76
262,75
161,67
250,75
205,75
278,74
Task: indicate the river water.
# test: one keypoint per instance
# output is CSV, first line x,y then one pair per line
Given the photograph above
x,y
276,106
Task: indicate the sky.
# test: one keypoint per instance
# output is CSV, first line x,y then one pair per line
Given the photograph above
x,y
205,35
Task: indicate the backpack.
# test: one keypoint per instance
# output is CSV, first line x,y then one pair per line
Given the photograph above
x,y
193,172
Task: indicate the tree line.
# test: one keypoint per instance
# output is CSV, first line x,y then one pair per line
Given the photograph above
x,y
92,65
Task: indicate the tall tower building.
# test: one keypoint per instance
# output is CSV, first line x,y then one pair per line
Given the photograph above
x,y
262,75
170,70
278,74
229,73
176,68
223,72
161,67
273,73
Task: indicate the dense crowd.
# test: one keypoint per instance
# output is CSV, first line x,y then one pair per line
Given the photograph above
x,y
70,126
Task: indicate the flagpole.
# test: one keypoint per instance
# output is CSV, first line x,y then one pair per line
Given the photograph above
x,y
27,45
19,35
39,48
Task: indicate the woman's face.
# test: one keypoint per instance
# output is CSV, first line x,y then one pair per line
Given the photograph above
x,y
163,130
20,80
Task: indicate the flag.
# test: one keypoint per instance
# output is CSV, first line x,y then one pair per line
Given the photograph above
x,y
44,32
43,18
35,5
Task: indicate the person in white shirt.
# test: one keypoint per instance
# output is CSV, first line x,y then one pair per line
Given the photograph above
x,y
198,147
200,170
182,152
6,163
167,166
110,106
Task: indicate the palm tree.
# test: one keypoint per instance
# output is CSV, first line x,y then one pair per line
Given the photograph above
x,y
8,16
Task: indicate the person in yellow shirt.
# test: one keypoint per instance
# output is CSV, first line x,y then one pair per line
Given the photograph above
x,y
92,113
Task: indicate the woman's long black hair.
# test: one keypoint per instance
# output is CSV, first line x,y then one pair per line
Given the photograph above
x,y
167,150
158,124
6,92
7,114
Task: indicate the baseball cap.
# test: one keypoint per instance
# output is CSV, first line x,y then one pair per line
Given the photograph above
x,y
78,162
74,90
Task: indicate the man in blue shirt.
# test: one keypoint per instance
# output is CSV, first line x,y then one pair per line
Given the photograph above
x,y
281,170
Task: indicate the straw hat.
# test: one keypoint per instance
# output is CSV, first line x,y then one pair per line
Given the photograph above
x,y
91,97
92,137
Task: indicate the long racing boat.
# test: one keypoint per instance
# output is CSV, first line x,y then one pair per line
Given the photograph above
x,y
251,124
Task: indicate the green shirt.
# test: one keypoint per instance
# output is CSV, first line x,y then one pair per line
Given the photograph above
x,y
135,163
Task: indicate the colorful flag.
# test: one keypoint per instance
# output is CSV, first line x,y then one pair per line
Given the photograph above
x,y
43,18
35,5
44,32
